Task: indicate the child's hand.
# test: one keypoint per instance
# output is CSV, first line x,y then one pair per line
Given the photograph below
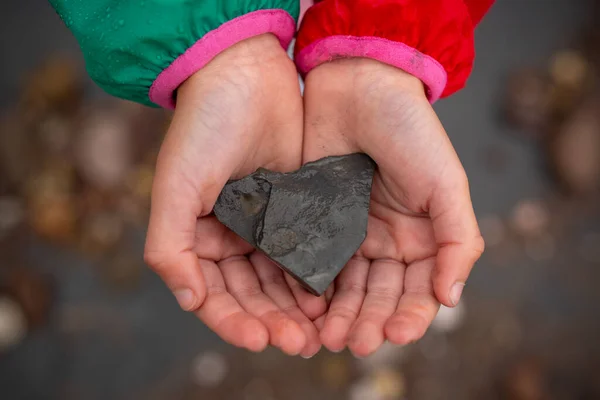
x,y
241,112
422,236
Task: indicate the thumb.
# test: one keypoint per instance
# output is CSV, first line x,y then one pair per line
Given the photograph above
x,y
458,238
192,168
171,233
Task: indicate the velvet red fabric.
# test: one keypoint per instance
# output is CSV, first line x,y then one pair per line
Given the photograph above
x,y
442,29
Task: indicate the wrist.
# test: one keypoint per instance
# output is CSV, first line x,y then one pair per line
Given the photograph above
x,y
245,64
361,76
252,51
348,98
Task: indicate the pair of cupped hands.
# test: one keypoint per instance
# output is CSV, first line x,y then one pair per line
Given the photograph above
x,y
244,110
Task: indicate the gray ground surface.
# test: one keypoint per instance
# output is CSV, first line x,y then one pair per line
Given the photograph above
x,y
156,341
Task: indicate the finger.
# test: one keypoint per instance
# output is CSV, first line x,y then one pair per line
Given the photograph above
x,y
459,240
384,288
273,284
350,289
224,315
329,293
312,306
417,307
243,284
320,322
171,237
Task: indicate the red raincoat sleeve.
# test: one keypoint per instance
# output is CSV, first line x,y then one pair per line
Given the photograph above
x,y
430,39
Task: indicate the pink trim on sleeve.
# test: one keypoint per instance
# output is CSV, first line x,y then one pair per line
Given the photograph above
x,y
277,22
399,55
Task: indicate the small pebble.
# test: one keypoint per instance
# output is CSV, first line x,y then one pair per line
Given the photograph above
x,y
57,85
389,384
364,389
530,218
381,384
209,369
55,219
13,324
525,381
574,152
569,68
104,151
449,319
388,355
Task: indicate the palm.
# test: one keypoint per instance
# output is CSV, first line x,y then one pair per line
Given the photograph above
x,y
238,114
420,209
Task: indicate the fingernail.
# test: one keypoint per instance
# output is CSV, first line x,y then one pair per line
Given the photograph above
x,y
308,357
456,292
185,298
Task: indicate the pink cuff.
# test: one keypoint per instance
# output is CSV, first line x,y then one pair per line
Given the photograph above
x,y
399,55
277,22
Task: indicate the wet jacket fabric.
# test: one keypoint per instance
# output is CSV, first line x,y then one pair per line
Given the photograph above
x,y
143,50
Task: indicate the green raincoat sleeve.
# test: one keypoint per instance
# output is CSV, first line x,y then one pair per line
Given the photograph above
x,y
143,50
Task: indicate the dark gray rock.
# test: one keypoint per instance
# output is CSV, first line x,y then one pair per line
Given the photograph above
x,y
310,222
